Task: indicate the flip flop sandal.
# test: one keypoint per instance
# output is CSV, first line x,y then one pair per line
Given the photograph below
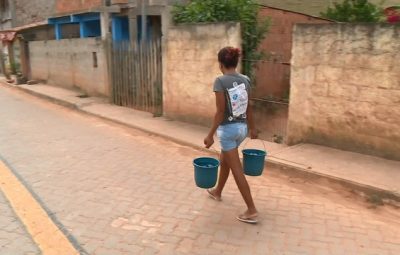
x,y
212,196
247,219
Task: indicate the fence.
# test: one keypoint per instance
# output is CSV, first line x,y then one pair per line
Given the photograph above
x,y
270,99
271,118
136,75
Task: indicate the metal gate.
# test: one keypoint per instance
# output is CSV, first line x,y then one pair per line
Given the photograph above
x,y
136,75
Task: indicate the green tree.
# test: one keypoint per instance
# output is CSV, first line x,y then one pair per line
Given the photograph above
x,y
354,11
254,29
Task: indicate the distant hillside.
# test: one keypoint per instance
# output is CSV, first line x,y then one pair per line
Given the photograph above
x,y
312,7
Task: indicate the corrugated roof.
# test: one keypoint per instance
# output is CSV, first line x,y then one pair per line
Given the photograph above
x,y
24,27
9,34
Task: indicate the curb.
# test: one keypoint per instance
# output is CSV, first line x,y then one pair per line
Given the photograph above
x,y
42,96
364,190
287,169
45,233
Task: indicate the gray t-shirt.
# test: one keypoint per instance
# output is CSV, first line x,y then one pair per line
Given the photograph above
x,y
237,89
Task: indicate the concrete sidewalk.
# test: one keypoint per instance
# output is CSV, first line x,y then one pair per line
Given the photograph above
x,y
362,172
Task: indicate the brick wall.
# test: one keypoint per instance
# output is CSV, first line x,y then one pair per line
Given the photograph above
x,y
345,89
66,6
28,11
191,67
273,77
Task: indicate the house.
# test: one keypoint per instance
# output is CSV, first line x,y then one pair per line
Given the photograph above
x,y
69,48
17,15
92,45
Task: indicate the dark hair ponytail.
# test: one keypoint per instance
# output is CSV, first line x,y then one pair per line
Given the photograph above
x,y
229,57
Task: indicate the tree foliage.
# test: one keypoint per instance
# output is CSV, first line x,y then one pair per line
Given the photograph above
x,y
254,30
354,11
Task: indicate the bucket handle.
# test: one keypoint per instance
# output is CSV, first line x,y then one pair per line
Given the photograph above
x,y
213,149
248,140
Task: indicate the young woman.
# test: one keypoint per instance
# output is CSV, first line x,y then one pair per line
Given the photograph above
x,y
232,122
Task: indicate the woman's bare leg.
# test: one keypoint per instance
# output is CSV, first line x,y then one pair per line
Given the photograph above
x,y
233,161
223,177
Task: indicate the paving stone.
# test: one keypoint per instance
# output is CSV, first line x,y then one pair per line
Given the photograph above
x,y
14,239
120,191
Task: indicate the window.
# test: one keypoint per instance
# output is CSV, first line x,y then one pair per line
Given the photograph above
x,y
95,64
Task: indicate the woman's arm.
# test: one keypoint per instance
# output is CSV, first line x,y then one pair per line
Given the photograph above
x,y
218,118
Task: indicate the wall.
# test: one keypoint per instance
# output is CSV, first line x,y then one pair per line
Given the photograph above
x,y
67,6
191,67
313,7
6,15
28,11
69,63
40,33
273,77
346,87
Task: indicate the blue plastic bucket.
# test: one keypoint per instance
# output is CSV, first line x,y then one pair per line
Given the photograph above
x,y
205,172
253,161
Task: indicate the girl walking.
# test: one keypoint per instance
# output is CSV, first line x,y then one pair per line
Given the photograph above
x,y
232,122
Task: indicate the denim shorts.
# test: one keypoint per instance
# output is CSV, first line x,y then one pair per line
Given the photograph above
x,y
232,135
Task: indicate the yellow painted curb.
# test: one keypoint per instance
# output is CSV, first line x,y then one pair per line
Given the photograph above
x,y
44,232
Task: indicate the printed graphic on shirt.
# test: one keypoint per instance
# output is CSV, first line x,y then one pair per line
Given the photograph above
x,y
238,99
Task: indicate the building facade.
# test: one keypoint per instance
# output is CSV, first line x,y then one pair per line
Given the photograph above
x,y
64,42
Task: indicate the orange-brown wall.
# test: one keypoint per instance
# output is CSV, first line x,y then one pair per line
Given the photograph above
x,y
273,77
65,6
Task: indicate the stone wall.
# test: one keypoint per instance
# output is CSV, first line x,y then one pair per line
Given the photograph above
x,y
191,66
346,87
70,63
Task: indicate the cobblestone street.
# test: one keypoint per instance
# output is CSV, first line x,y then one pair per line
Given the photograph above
x,y
121,191
13,237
